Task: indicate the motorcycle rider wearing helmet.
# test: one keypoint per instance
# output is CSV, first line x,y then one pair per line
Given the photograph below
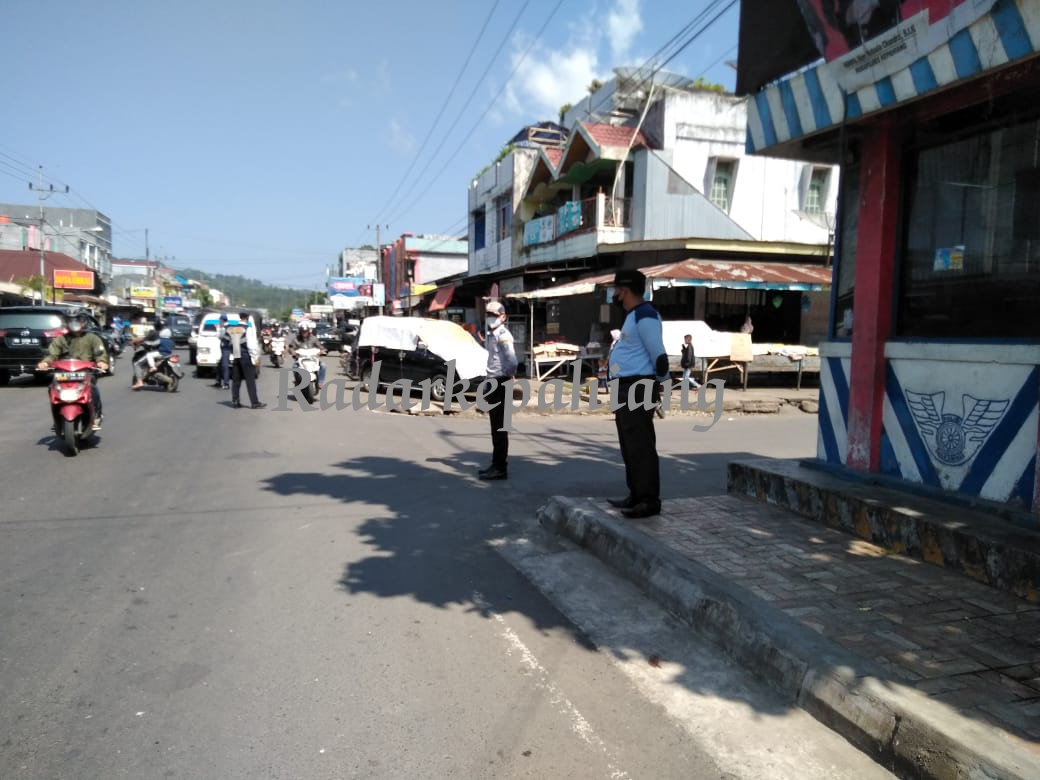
x,y
79,344
305,339
155,345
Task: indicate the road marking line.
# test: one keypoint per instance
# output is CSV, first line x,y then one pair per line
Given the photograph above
x,y
579,725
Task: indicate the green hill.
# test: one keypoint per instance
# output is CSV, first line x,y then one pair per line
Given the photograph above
x,y
254,294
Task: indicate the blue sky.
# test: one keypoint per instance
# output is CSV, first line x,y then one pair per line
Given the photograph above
x,y
260,138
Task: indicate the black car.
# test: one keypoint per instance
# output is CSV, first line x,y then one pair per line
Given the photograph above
x,y
180,327
416,364
27,331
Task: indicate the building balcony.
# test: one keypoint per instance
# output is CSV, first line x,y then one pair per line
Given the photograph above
x,y
577,228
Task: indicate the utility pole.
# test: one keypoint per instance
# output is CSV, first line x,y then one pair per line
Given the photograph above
x,y
44,194
379,261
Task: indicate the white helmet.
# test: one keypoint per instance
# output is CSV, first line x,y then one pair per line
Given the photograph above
x,y
165,333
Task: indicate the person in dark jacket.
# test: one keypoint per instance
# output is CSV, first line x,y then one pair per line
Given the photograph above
x,y
79,344
688,361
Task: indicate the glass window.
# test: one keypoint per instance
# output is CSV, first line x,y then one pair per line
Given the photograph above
x,y
722,183
971,256
504,208
816,194
479,237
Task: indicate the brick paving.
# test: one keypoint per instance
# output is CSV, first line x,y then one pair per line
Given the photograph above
x,y
959,641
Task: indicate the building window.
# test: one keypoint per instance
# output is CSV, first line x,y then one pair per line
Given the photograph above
x,y
722,183
504,217
970,266
479,225
816,193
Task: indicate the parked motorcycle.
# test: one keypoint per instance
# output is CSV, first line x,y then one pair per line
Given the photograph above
x,y
167,375
307,360
72,401
277,349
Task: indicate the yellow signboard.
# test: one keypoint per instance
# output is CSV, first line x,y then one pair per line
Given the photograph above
x,y
142,292
73,280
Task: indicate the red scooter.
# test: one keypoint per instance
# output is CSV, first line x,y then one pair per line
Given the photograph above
x,y
72,401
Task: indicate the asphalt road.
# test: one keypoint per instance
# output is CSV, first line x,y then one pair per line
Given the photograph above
x,y
221,593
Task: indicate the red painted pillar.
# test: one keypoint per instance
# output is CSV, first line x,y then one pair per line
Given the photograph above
x,y
874,302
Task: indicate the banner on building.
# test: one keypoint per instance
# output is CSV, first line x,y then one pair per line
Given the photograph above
x,y
172,302
378,295
142,292
73,280
346,285
540,231
866,40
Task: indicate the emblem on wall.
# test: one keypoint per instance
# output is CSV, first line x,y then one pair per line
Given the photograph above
x,y
951,438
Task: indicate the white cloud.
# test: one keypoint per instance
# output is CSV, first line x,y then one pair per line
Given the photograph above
x,y
401,140
623,25
340,75
546,80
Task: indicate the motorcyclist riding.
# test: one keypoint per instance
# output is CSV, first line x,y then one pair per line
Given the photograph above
x,y
79,344
156,344
305,340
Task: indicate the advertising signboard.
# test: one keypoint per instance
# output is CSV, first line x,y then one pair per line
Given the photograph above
x,y
866,40
172,302
142,292
73,280
345,285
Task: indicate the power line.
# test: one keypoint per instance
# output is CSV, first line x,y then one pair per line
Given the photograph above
x,y
444,105
472,94
490,105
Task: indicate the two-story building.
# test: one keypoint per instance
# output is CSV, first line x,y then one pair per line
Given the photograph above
x,y
412,265
654,171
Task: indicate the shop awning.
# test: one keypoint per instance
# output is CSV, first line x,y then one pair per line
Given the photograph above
x,y
739,275
442,298
704,273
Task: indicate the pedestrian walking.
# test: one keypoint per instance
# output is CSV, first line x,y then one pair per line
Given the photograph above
x,y
501,366
245,354
688,361
639,354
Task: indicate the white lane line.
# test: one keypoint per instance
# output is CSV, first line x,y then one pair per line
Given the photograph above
x,y
542,681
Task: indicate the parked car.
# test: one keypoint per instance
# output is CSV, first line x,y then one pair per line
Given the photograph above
x,y
26,332
329,339
417,349
180,327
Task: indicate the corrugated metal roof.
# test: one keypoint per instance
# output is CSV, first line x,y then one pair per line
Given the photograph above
x,y
714,273
25,263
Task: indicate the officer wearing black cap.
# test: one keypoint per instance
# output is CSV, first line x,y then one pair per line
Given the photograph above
x,y
638,354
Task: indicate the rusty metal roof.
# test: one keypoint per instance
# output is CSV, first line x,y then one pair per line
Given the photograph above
x,y
741,275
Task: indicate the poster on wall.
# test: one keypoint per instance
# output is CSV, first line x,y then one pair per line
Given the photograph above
x,y
949,259
867,40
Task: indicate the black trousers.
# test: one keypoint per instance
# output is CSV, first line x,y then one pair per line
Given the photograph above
x,y
638,442
242,368
499,438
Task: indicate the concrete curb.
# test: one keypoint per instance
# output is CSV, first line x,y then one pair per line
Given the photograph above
x,y
898,727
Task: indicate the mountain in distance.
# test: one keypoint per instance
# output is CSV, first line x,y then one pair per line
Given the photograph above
x,y
254,294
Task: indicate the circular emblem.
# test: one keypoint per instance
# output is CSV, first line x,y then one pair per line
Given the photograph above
x,y
950,440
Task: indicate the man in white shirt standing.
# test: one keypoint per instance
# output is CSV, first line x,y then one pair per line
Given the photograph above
x,y
501,365
245,354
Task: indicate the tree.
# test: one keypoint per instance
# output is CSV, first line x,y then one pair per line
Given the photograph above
x,y
563,111
702,83
594,86
205,299
36,286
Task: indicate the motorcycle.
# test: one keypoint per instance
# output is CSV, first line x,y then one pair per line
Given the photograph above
x,y
265,341
307,360
72,401
167,374
277,350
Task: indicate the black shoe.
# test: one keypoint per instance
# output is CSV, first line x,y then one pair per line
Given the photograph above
x,y
258,406
236,405
493,473
622,503
216,384
642,509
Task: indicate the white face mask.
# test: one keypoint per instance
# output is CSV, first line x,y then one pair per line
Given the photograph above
x,y
492,322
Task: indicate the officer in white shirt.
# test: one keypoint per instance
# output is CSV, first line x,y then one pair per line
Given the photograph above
x,y
501,365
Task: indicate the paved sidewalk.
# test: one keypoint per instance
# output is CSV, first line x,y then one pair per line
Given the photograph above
x,y
929,671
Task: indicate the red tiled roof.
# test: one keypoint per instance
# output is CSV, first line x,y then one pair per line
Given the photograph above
x,y
25,263
610,135
554,155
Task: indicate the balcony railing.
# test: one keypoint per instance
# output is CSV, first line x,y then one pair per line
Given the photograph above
x,y
578,216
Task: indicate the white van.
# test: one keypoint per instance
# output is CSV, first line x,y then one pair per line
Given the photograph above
x,y
207,342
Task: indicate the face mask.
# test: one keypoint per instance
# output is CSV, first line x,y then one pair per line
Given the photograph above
x,y
492,323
